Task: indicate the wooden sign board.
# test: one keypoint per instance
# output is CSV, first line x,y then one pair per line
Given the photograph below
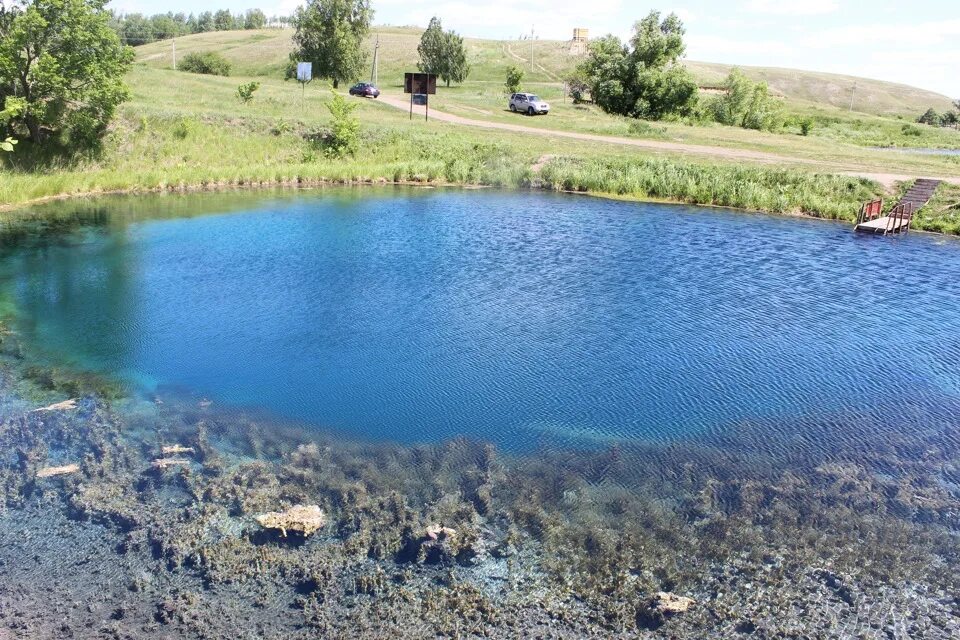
x,y
422,83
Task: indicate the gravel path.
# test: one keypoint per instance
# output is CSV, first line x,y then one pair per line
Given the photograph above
x,y
887,179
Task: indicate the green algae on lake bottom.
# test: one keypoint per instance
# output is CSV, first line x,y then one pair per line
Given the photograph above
x,y
561,544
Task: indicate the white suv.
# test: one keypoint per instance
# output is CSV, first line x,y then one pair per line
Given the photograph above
x,y
528,103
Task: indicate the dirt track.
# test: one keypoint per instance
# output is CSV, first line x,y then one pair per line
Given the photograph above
x,y
886,179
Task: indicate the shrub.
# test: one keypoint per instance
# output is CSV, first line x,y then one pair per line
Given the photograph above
x,y
343,139
208,63
930,117
910,130
183,128
245,91
806,126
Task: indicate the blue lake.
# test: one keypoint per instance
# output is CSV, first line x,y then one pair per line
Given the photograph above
x,y
417,315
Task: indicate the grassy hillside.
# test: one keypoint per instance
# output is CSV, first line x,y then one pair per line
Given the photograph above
x,y
183,131
263,53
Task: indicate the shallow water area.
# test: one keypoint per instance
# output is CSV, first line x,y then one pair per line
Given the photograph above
x,y
416,315
510,414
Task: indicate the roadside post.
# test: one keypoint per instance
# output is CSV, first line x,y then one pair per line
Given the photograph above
x,y
304,76
420,84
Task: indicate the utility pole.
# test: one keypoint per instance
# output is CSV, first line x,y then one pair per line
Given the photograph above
x,y
174,53
531,47
853,95
376,57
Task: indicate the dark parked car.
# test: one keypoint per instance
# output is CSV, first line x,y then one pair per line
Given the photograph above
x,y
364,89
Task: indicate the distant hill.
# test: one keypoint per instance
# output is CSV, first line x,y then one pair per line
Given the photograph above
x,y
265,52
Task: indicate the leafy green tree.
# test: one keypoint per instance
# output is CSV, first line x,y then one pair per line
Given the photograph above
x,y
578,86
930,117
135,29
255,19
514,78
749,105
458,67
443,53
66,63
431,48
223,20
643,78
330,34
205,22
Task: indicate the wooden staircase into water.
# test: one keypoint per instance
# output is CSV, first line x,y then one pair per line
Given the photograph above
x,y
898,220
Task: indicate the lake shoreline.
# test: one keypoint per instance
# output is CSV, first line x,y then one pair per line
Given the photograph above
x,y
306,185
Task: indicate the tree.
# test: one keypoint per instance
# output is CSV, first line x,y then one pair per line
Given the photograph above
x,y
578,86
930,117
205,22
643,78
66,63
443,53
514,78
255,19
458,68
748,105
431,48
223,20
330,34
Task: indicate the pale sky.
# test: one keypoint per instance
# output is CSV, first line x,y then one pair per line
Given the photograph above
x,y
916,42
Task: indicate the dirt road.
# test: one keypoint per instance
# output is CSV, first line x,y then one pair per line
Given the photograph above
x,y
887,179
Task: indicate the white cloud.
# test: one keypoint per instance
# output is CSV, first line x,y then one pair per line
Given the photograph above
x,y
781,8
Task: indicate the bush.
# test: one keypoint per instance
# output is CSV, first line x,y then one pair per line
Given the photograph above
x,y
930,117
514,78
910,130
806,126
343,138
183,128
245,91
208,63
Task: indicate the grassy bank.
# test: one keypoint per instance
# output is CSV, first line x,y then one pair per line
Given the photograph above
x,y
182,131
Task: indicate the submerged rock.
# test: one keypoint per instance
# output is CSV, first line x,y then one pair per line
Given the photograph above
x,y
671,604
66,405
436,531
304,519
163,463
176,449
49,472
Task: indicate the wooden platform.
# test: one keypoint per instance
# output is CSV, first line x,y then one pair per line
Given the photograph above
x,y
886,224
898,220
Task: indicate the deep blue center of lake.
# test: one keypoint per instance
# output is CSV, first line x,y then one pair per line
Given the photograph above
x,y
417,315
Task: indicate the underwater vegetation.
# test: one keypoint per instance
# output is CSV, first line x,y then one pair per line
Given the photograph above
x,y
172,517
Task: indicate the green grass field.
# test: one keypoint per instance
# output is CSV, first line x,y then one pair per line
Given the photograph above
x,y
183,131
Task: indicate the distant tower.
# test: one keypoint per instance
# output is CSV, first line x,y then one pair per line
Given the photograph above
x,y
579,44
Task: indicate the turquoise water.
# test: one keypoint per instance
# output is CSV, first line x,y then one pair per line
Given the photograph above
x,y
418,315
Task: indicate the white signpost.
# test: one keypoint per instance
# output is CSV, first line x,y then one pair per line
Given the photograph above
x,y
304,76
